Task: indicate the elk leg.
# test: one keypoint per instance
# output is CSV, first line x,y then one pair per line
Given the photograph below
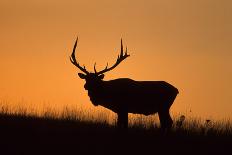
x,y
122,120
165,120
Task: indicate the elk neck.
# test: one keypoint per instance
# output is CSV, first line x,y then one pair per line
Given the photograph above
x,y
96,91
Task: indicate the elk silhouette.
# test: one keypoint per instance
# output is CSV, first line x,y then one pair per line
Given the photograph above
x,y
125,95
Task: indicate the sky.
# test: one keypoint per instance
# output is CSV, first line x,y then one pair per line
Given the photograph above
x,y
187,43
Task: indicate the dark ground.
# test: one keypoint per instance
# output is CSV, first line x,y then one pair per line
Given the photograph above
x,y
32,135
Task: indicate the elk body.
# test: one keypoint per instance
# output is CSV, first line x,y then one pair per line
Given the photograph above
x,y
125,95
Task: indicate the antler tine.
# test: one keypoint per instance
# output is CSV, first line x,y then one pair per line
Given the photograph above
x,y
74,61
95,68
106,65
122,56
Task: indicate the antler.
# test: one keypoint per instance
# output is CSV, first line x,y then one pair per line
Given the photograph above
x,y
74,61
122,56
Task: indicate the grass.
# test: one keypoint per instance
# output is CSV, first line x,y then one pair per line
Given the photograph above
x,y
73,131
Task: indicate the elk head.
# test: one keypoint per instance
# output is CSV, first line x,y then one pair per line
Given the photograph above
x,y
95,79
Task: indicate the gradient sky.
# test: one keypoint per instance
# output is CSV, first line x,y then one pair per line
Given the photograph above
x,y
187,43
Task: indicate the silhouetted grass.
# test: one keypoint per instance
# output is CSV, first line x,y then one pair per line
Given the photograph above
x,y
76,132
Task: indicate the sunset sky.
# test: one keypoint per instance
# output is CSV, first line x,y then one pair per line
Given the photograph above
x,y
187,43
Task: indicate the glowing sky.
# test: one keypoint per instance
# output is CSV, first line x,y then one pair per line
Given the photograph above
x,y
187,43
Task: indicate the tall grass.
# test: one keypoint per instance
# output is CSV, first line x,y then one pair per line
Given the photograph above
x,y
182,124
73,130
67,113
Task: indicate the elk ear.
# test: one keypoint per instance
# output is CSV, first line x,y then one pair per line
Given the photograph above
x,y
101,76
82,76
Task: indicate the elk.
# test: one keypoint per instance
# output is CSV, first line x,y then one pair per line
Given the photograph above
x,y
124,95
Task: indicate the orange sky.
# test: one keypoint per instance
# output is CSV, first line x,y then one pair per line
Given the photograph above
x,y
186,43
